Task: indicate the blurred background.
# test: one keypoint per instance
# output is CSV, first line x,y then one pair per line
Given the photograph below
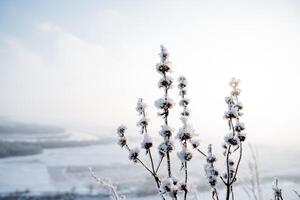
x,y
72,71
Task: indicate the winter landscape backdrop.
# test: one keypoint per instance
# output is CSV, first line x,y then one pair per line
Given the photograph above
x,y
72,71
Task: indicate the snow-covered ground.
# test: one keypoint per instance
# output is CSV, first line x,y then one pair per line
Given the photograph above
x,y
66,169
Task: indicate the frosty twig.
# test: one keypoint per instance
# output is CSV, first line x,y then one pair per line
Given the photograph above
x,y
277,190
185,133
234,139
107,185
164,104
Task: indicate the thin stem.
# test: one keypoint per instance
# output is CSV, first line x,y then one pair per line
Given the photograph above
x,y
159,164
149,150
166,111
185,175
145,167
151,159
154,176
141,162
228,175
153,172
217,196
169,165
201,152
280,197
223,180
238,164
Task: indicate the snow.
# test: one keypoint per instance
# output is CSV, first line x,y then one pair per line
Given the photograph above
x,y
62,169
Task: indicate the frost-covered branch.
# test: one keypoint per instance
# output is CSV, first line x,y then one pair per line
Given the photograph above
x,y
277,191
210,172
111,188
235,137
164,104
169,186
134,153
185,133
147,143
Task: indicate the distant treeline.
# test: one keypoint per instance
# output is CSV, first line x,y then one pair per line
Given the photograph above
x,y
26,195
8,149
19,127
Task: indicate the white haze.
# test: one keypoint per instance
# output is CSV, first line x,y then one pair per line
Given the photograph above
x,y
85,63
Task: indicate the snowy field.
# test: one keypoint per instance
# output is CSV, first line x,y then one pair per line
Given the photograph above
x,y
66,169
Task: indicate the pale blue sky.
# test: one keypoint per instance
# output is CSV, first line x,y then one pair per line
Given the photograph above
x,y
87,62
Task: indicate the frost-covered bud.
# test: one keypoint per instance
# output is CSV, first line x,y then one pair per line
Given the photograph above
x,y
236,92
163,68
164,147
242,136
210,172
182,92
195,143
121,130
143,122
239,105
210,157
182,79
169,186
230,162
229,100
234,83
224,153
185,133
225,175
231,171
239,126
133,154
147,142
224,145
231,113
184,102
166,131
184,120
164,54
182,187
165,82
184,155
185,113
140,107
182,82
122,141
212,181
232,139
164,103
